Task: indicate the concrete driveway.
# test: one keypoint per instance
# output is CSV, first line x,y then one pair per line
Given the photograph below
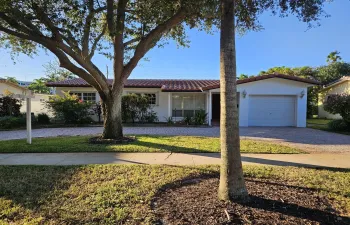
x,y
304,138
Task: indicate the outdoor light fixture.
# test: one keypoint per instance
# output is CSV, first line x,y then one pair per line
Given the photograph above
x,y
244,93
302,94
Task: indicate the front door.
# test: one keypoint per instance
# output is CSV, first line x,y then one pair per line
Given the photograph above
x,y
215,109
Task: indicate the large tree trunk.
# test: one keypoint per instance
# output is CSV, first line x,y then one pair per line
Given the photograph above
x,y
232,183
112,115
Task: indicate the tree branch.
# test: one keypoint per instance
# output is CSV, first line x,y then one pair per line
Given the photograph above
x,y
87,27
45,19
64,60
118,43
151,39
70,40
131,41
14,23
110,17
96,41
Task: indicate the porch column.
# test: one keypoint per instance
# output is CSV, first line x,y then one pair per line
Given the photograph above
x,y
98,98
169,105
209,108
29,121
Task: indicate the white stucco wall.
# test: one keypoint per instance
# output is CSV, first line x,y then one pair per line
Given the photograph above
x,y
161,108
4,87
273,86
37,104
341,88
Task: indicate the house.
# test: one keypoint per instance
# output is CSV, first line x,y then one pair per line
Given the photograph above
x,y
340,86
8,87
269,100
37,102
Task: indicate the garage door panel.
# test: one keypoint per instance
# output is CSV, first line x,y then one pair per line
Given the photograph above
x,y
269,110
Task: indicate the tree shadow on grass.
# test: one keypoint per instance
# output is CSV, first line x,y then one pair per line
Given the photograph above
x,y
255,202
171,148
29,187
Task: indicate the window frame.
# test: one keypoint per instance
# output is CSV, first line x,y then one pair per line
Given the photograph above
x,y
147,93
81,95
183,109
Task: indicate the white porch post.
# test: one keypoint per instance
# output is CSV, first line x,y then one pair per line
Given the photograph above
x,y
97,97
169,106
209,109
29,121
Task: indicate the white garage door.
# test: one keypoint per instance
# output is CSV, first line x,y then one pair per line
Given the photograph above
x,y
271,110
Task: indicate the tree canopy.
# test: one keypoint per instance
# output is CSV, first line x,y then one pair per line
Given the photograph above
x,y
38,86
53,72
333,57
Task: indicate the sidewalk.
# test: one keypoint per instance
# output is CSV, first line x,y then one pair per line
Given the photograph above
x,y
301,160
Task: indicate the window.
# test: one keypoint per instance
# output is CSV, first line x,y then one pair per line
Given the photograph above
x,y
90,97
152,97
184,105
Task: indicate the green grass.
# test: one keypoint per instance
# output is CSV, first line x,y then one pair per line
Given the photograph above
x,y
321,124
122,194
318,121
143,144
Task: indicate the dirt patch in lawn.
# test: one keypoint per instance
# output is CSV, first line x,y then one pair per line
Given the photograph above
x,y
195,202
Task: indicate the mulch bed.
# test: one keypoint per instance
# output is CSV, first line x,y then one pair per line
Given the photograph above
x,y
196,202
99,140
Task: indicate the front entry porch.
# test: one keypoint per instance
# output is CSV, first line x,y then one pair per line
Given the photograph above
x,y
214,119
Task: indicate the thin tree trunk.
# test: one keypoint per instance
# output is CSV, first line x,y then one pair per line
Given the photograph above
x,y
232,183
112,115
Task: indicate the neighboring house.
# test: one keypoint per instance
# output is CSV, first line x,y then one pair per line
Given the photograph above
x,y
24,83
340,86
269,100
7,87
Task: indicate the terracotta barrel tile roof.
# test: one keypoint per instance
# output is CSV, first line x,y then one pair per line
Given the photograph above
x,y
168,85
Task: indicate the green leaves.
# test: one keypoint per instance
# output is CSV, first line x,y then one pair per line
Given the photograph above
x,y
338,104
38,86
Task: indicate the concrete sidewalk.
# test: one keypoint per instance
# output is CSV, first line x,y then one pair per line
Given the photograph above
x,y
301,160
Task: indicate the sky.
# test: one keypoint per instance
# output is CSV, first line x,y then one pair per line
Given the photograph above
x,y
283,42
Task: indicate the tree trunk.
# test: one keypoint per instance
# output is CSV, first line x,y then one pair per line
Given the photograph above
x,y
232,183
112,115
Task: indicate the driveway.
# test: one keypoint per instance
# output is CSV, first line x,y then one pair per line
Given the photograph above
x,y
304,138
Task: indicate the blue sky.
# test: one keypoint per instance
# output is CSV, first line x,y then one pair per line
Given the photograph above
x,y
283,42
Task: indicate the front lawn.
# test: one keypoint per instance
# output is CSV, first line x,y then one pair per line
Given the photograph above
x,y
322,124
316,121
143,144
123,194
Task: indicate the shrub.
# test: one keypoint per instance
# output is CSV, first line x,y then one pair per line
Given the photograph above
x,y
169,120
339,125
43,118
200,117
150,117
69,108
338,104
8,122
9,106
136,108
188,120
